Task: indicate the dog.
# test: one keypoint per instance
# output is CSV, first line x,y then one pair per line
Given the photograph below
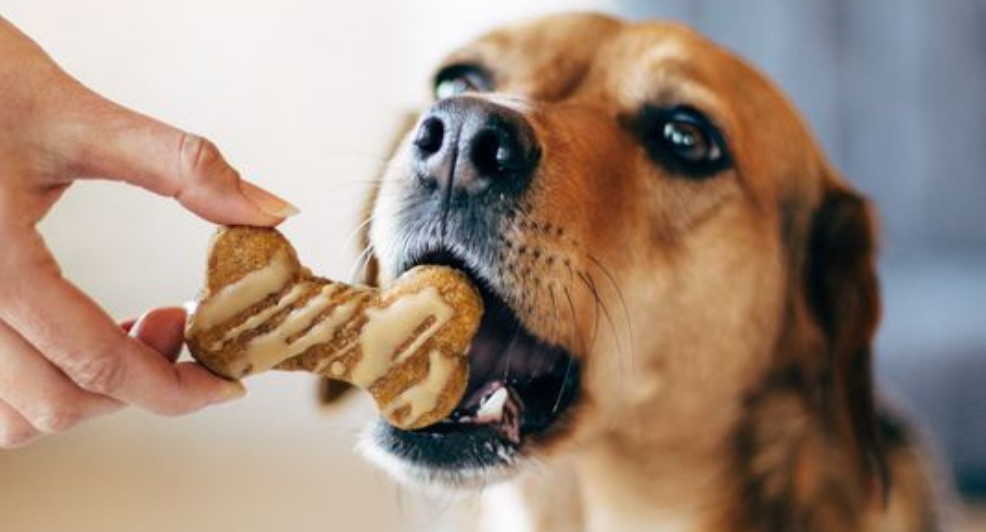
x,y
680,294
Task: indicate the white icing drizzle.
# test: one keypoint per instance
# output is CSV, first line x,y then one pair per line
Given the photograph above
x,y
323,331
337,368
247,291
266,351
387,328
261,317
423,396
324,364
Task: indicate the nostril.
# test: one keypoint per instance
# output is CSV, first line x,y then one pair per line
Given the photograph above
x,y
498,150
466,146
510,155
430,136
487,152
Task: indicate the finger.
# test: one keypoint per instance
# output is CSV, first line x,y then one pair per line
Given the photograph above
x,y
15,431
116,143
42,394
163,330
79,338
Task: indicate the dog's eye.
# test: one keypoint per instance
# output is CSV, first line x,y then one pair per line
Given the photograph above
x,y
684,140
689,142
457,79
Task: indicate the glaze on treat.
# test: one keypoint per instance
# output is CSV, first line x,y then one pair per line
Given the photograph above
x,y
406,345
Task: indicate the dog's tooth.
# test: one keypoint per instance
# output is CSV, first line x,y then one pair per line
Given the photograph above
x,y
491,409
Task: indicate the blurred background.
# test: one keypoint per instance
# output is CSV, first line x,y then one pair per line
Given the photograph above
x,y
303,97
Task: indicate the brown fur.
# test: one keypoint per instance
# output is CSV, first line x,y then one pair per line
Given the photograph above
x,y
724,325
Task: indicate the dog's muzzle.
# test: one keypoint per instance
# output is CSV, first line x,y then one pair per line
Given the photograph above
x,y
466,147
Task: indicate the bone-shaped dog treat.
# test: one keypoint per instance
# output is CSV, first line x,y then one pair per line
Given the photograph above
x,y
406,345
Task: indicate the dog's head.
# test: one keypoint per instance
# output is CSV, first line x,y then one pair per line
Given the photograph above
x,y
655,233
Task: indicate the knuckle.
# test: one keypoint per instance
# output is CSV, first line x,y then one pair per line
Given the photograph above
x,y
55,419
97,374
199,156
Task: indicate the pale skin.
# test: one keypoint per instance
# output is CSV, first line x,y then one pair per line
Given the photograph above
x,y
63,360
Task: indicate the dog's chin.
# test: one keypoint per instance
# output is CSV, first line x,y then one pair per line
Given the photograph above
x,y
521,390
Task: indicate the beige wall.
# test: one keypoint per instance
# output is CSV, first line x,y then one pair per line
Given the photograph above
x,y
301,96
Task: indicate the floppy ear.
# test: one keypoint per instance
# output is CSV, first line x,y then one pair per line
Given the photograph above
x,y
843,296
330,391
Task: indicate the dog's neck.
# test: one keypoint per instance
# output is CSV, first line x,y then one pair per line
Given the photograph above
x,y
625,480
628,494
666,473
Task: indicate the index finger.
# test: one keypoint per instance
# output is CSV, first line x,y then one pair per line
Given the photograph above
x,y
107,140
78,337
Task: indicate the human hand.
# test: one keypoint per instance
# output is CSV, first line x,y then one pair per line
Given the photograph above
x,y
62,359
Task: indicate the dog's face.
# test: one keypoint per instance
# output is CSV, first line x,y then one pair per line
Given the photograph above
x,y
635,203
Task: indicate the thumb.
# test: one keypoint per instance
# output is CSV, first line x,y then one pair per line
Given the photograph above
x,y
161,329
119,144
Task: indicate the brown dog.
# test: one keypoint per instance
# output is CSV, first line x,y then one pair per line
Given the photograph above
x,y
680,293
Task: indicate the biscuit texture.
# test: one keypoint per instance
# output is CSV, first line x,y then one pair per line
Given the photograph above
x,y
406,345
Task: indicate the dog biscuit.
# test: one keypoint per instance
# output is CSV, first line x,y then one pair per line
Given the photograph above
x,y
405,345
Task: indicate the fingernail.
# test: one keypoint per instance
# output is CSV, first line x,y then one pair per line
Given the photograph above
x,y
231,391
266,201
138,325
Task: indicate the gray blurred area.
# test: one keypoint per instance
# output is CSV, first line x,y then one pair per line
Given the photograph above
x,y
896,92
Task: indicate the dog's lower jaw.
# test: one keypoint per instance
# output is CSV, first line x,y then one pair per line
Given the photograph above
x,y
461,481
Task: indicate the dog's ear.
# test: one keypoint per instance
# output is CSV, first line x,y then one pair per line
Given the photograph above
x,y
843,296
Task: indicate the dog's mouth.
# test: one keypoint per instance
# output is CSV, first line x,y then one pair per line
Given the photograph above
x,y
519,389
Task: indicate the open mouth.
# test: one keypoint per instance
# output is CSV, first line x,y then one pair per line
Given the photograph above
x,y
519,388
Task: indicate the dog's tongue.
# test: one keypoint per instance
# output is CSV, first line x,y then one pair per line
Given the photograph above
x,y
496,404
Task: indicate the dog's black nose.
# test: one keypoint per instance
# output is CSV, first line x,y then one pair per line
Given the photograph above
x,y
468,146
